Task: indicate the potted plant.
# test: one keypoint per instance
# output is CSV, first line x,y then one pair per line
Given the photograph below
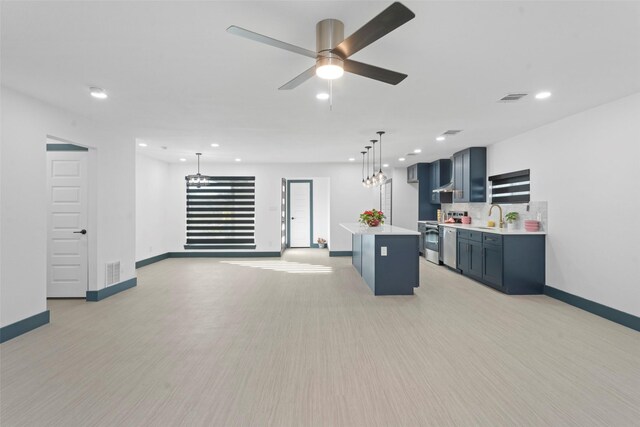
x,y
322,243
372,218
511,218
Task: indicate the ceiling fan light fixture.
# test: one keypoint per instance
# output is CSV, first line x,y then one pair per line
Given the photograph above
x,y
329,68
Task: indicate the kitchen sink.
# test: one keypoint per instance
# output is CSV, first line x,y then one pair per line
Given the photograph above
x,y
487,228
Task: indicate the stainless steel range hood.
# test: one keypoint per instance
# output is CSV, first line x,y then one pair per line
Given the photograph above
x,y
447,188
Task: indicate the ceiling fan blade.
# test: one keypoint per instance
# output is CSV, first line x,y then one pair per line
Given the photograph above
x,y
373,72
270,41
299,79
387,21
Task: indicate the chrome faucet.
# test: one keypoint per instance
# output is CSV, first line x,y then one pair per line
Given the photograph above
x,y
500,208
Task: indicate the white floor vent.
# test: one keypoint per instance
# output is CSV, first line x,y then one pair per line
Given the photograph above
x,y
112,273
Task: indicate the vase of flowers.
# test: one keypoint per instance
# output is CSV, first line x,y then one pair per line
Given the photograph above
x,y
322,243
372,218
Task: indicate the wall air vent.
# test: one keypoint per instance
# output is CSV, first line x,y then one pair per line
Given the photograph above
x,y
112,273
512,97
452,132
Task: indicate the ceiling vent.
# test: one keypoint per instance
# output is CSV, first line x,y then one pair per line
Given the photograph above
x,y
512,97
452,132
411,154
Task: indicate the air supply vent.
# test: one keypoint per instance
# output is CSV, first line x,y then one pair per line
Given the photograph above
x,y
512,97
112,273
452,132
411,154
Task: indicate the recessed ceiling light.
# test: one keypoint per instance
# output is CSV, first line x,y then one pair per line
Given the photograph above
x,y
97,92
142,144
323,96
183,160
385,165
238,160
543,95
440,138
351,159
215,145
417,150
401,159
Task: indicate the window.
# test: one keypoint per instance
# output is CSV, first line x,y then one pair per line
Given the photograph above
x,y
221,213
510,187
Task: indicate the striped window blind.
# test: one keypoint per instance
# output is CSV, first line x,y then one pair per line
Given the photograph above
x,y
221,212
511,187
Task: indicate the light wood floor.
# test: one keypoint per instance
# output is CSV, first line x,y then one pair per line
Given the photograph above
x,y
206,342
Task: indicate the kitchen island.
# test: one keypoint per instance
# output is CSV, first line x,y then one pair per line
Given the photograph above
x,y
387,257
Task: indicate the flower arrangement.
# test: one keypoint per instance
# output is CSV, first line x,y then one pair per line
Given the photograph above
x,y
372,218
322,243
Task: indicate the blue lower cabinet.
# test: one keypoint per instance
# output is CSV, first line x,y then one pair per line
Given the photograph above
x,y
469,260
492,266
511,264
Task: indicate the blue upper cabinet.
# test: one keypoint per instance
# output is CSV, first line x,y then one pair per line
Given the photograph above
x,y
412,174
440,174
470,175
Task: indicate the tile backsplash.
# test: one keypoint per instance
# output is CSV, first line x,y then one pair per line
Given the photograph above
x,y
479,212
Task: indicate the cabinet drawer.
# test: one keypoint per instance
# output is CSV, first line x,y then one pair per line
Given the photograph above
x,y
475,236
491,239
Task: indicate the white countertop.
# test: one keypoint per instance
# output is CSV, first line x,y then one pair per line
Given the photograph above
x,y
357,228
494,230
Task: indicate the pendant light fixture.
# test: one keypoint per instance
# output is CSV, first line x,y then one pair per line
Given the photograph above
x,y
381,176
368,180
196,179
374,175
364,184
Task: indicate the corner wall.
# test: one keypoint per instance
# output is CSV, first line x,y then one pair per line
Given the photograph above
x,y
26,123
587,167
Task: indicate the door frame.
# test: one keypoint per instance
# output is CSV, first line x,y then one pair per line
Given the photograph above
x,y
300,181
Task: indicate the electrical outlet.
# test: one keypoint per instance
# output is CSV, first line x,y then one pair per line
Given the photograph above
x,y
383,251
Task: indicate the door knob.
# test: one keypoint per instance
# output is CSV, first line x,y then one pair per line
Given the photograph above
x,y
292,218
80,232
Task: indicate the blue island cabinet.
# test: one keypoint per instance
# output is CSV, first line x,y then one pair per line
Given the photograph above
x,y
386,257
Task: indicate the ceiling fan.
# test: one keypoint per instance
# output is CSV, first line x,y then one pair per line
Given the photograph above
x,y
333,50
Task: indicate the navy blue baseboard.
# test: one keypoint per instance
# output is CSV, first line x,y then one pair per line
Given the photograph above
x,y
222,254
23,326
340,253
151,260
111,290
625,319
166,255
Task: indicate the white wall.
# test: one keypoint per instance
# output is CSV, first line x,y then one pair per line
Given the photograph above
x,y
152,178
587,167
26,123
347,199
404,200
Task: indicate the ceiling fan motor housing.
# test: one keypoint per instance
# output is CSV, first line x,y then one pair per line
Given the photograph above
x,y
329,34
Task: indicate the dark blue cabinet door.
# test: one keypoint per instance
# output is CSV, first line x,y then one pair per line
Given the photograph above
x,y
435,182
462,260
492,265
459,166
475,260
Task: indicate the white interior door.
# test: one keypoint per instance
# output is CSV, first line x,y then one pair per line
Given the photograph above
x,y
67,269
300,214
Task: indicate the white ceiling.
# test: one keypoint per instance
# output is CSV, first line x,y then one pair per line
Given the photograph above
x,y
177,79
